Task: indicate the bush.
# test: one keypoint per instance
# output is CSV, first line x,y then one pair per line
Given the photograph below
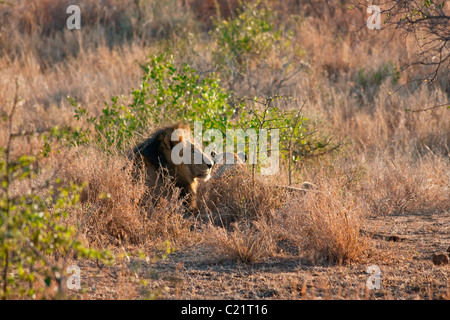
x,y
35,240
250,46
167,94
250,35
299,137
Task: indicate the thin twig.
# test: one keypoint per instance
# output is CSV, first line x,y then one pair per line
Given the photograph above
x,y
430,108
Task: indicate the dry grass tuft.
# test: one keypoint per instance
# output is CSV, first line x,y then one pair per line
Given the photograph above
x,y
324,225
239,209
237,196
248,242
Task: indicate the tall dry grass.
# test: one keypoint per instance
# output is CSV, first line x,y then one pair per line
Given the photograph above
x,y
325,225
116,208
400,186
238,196
322,224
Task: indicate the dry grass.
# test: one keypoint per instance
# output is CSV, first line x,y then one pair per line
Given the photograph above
x,y
238,210
248,242
392,162
401,186
324,224
385,125
115,206
39,27
237,196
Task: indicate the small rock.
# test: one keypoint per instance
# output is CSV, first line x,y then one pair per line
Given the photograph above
x,y
440,259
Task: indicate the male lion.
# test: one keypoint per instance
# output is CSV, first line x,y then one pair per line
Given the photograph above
x,y
184,169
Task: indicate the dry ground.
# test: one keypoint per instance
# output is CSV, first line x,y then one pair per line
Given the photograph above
x,y
407,270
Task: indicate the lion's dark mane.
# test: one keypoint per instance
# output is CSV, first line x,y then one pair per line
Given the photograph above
x,y
152,150
155,152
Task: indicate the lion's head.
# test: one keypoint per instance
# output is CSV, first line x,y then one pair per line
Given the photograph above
x,y
174,150
187,156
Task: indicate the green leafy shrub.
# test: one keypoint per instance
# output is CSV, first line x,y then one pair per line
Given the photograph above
x,y
298,135
36,241
168,93
251,46
251,34
368,78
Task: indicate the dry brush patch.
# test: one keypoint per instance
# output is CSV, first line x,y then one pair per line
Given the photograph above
x,y
117,206
401,185
324,224
237,209
237,196
245,241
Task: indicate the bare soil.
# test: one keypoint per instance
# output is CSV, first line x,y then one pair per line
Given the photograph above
x,y
403,246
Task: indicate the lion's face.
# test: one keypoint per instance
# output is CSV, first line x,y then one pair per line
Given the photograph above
x,y
201,163
190,160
